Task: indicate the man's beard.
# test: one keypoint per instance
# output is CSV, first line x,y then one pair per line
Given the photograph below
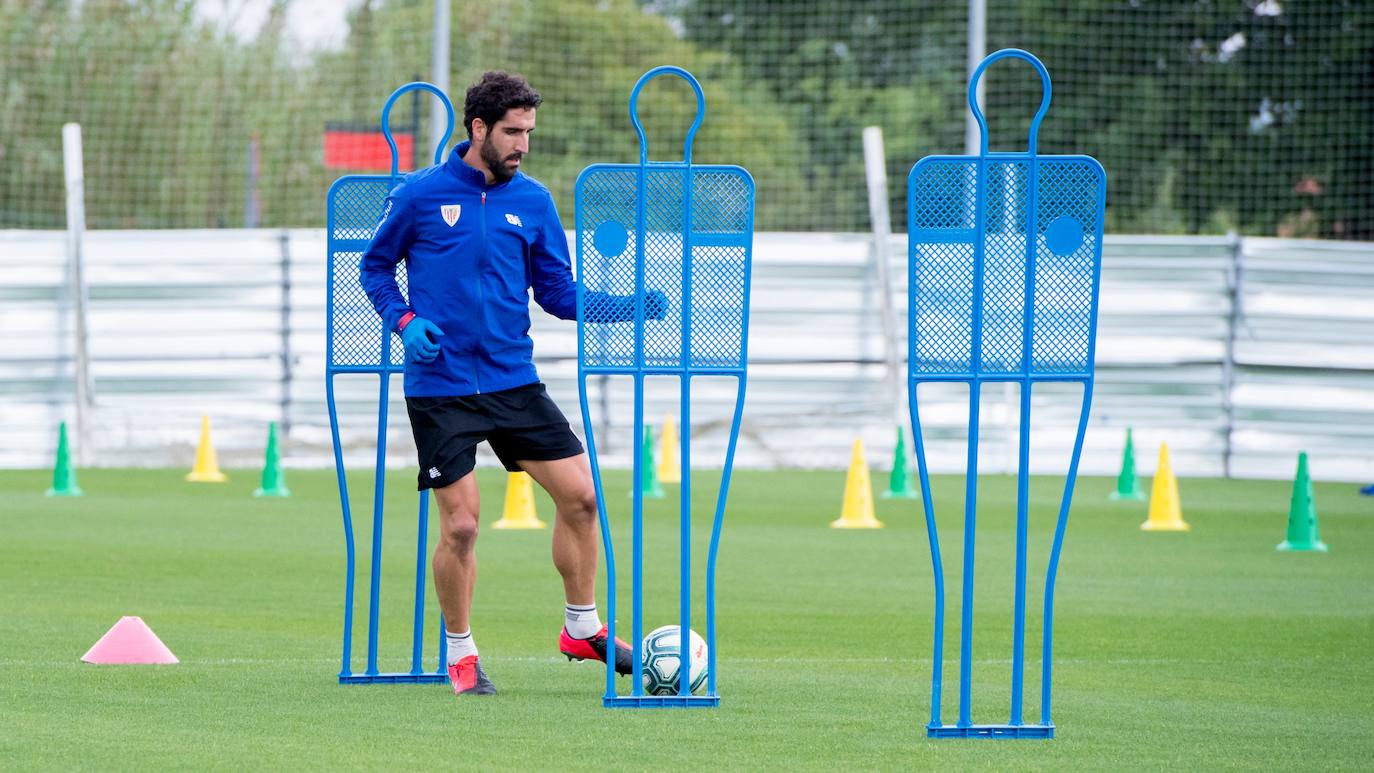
x,y
499,169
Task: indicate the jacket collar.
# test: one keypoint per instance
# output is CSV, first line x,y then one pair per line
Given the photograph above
x,y
460,169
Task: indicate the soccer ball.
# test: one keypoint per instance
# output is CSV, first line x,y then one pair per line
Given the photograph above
x,y
661,661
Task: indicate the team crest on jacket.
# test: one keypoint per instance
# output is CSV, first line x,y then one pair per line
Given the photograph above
x,y
514,220
450,212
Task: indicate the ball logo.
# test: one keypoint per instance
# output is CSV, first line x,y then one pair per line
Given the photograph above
x,y
514,220
450,213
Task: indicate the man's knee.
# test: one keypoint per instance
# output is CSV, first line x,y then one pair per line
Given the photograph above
x,y
580,505
459,528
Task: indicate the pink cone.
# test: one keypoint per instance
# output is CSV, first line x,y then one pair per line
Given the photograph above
x,y
129,641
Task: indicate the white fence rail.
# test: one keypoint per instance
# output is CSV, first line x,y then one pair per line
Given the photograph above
x,y
1237,352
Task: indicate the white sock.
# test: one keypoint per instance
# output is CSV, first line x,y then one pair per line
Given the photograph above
x,y
581,621
460,645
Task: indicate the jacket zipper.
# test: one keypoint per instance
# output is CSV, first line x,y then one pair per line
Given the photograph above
x,y
481,299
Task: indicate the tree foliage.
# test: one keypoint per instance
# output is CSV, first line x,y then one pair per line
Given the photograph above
x,y
1210,115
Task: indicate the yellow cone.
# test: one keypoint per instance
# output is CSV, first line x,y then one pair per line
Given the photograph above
x,y
519,512
1165,512
206,468
857,512
669,469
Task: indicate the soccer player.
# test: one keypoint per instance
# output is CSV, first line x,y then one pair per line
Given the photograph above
x,y
476,235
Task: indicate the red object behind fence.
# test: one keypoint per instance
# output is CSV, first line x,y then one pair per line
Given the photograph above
x,y
365,151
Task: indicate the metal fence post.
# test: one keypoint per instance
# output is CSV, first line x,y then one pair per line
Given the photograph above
x,y
74,169
284,243
1235,275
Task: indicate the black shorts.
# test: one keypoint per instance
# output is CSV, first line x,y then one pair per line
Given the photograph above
x,y
521,424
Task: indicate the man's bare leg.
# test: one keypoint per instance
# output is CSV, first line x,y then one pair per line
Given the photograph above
x,y
455,557
455,573
575,532
575,527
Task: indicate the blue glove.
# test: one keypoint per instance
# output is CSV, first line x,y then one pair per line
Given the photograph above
x,y
655,305
604,308
420,339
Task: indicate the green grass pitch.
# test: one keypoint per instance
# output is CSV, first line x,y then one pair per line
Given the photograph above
x,y
1199,651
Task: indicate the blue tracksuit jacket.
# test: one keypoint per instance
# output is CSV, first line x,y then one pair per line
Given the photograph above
x,y
472,253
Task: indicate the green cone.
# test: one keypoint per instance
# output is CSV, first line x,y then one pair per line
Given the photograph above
x,y
273,480
1127,484
899,480
63,473
648,471
1302,515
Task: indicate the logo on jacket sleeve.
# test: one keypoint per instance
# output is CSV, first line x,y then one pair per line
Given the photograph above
x,y
450,212
514,220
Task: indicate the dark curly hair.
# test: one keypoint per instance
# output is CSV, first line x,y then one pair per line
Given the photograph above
x,y
495,93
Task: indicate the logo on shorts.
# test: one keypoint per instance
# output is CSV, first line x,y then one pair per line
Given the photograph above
x,y
434,471
514,220
450,213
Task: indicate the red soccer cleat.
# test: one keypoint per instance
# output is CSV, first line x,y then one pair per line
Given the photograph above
x,y
594,648
468,678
